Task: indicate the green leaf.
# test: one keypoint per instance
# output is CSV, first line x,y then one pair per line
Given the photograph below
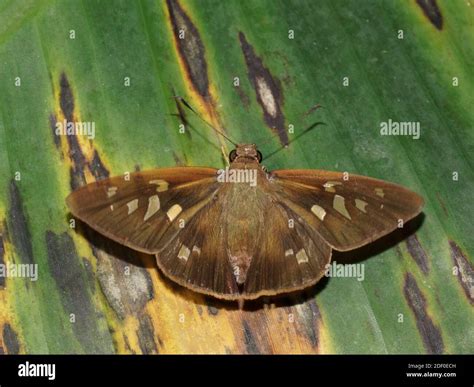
x,y
118,64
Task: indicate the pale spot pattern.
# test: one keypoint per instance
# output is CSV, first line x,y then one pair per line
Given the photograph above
x,y
361,205
162,185
196,250
153,207
174,211
111,191
329,186
339,205
318,211
132,206
184,252
289,252
301,256
379,192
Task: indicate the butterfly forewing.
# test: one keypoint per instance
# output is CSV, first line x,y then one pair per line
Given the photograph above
x,y
347,210
137,209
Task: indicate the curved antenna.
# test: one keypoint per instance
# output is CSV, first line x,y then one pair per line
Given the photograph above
x,y
183,101
308,129
310,111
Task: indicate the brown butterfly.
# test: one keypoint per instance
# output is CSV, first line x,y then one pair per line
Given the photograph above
x,y
243,232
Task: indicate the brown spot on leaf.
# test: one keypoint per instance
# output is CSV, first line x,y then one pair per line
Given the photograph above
x,y
18,226
432,12
465,270
66,98
267,90
79,161
430,334
190,48
66,102
10,340
417,253
146,335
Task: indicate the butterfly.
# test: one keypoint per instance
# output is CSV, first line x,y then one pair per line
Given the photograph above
x,y
243,232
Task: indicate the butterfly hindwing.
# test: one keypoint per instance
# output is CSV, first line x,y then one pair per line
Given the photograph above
x,y
227,254
347,210
137,209
290,255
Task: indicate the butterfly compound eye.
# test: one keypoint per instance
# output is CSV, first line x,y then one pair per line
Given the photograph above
x,y
232,155
259,156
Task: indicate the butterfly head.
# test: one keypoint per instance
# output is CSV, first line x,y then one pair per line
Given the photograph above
x,y
245,152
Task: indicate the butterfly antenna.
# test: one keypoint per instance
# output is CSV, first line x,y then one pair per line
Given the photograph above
x,y
308,129
183,101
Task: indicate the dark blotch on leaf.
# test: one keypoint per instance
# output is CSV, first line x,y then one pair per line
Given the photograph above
x,y
18,226
71,279
250,343
430,334
66,98
79,162
191,48
417,253
98,168
312,319
146,335
432,12
465,270
267,90
10,339
2,260
52,125
66,101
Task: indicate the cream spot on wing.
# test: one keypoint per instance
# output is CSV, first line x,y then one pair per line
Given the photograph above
x,y
111,191
289,252
162,185
381,206
318,211
329,186
340,206
174,211
132,206
379,192
360,204
111,207
196,250
266,96
153,207
302,257
184,253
